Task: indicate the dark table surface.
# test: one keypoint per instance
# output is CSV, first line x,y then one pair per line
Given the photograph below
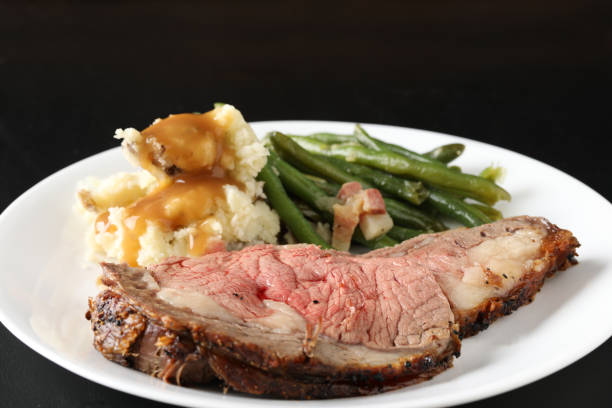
x,y
533,77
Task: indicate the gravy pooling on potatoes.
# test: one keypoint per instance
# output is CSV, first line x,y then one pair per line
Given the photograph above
x,y
186,142
191,149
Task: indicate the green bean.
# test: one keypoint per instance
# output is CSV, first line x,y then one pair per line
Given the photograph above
x,y
455,194
372,143
330,189
308,212
402,214
402,234
493,213
328,138
409,216
459,195
446,153
303,187
287,147
287,211
438,175
365,139
411,191
457,209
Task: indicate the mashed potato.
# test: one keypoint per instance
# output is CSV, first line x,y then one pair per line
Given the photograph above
x,y
196,193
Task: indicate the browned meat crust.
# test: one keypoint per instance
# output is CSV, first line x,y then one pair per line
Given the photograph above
x,y
559,252
125,334
249,379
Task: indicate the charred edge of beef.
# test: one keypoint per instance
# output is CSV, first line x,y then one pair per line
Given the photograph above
x,y
308,378
245,378
125,335
559,252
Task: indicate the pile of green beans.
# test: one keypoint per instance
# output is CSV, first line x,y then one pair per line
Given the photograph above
x,y
315,198
288,212
432,173
411,191
419,190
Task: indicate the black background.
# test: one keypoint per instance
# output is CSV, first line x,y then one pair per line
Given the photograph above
x,y
534,77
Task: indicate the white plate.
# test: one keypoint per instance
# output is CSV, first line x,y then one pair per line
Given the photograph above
x,y
45,282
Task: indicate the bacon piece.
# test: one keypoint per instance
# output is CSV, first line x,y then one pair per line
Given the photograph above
x,y
358,207
373,202
348,190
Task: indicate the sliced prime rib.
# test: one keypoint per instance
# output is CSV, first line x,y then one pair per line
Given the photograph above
x,y
489,271
301,322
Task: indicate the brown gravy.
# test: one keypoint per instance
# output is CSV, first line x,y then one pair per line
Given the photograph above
x,y
196,144
192,142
